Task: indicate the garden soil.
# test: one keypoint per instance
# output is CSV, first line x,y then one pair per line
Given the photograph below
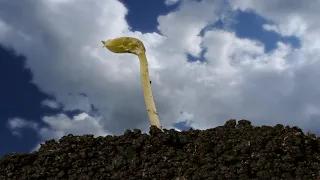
x,y
234,151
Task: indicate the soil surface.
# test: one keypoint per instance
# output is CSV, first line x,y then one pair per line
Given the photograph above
x,y
237,151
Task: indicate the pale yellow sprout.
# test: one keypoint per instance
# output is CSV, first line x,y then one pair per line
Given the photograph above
x,y
135,46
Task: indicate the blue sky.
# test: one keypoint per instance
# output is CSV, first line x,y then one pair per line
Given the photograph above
x,y
24,97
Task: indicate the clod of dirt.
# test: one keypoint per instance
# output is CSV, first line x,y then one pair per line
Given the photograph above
x,y
233,151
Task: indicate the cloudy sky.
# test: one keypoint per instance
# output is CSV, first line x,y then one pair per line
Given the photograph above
x,y
209,61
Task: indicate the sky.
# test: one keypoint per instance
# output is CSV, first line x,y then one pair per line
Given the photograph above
x,y
209,61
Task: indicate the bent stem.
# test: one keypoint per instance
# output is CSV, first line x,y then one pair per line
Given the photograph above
x,y
147,91
135,46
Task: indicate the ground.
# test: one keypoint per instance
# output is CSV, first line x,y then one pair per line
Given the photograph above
x,y
236,151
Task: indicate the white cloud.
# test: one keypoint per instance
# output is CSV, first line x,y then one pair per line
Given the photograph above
x,y
16,124
270,27
292,17
239,81
78,102
171,2
80,124
182,28
50,103
60,125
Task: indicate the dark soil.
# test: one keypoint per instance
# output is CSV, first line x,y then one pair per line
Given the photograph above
x,y
233,151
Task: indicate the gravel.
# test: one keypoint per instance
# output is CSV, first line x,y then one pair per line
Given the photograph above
x,y
236,151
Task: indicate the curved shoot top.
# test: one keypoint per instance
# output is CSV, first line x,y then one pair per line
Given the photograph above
x,y
125,45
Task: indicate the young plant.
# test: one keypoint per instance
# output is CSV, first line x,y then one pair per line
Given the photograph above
x,y
135,46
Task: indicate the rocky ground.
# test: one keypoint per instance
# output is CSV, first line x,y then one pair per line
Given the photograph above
x,y
233,151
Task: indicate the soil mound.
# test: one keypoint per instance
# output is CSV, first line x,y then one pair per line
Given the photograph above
x,y
233,151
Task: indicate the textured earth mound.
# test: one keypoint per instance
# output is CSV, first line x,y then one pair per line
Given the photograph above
x,y
233,151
